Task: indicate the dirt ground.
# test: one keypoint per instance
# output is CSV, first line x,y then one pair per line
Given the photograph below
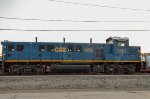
x,y
75,87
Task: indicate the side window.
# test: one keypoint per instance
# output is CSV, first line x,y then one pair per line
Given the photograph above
x,y
50,48
20,47
78,48
10,48
41,48
70,48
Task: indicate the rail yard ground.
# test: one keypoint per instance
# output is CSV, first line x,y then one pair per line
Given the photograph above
x,y
75,87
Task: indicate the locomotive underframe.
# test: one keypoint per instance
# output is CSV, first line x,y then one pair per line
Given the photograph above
x,y
57,67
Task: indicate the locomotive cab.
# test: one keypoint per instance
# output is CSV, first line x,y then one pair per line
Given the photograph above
x,y
122,56
121,44
120,48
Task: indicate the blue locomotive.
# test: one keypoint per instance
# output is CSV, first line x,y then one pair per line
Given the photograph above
x,y
114,56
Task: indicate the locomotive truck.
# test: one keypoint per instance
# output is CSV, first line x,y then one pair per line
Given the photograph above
x,y
113,57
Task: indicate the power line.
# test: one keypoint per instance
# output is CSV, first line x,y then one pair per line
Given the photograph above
x,y
32,19
70,30
86,21
86,4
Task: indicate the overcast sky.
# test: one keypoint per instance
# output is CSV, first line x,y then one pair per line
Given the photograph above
x,y
107,10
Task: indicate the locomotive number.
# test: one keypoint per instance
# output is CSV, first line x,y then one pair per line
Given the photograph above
x,y
60,49
121,51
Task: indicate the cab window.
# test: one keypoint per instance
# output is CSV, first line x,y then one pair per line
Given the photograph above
x,y
20,47
10,48
121,44
41,48
70,48
78,48
50,48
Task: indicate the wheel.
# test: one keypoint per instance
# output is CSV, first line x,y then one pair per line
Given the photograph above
x,y
126,71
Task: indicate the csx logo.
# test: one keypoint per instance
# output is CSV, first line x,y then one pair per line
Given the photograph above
x,y
60,49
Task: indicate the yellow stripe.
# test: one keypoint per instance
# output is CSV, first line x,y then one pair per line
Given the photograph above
x,y
69,61
115,61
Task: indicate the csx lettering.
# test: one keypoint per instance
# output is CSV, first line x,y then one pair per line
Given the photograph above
x,y
61,49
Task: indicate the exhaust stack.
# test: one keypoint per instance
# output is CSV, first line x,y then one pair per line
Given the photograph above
x,y
64,39
36,39
90,40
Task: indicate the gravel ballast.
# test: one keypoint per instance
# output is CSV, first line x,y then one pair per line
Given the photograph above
x,y
99,82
